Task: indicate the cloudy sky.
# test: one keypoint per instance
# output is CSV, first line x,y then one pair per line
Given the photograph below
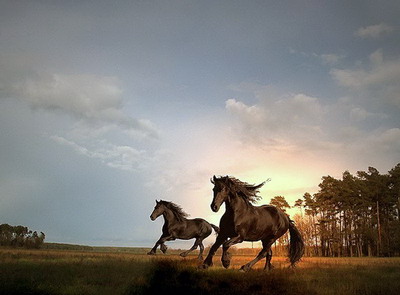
x,y
106,107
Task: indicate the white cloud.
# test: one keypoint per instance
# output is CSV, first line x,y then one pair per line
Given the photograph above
x,y
301,106
376,57
378,80
302,129
349,78
284,124
389,140
381,144
120,157
374,31
293,109
83,95
86,97
331,59
251,114
100,122
359,114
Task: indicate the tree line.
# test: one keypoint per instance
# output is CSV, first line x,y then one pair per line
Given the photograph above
x,y
20,236
356,215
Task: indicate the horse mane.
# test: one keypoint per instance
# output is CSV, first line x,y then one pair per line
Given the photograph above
x,y
243,189
176,210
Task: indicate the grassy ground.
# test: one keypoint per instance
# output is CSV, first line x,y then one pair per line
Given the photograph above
x,y
88,272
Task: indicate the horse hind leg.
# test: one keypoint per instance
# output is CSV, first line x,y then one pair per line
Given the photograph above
x,y
198,243
260,256
268,265
226,258
200,257
163,248
194,247
263,253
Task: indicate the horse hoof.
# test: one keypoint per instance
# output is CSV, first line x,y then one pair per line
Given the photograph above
x,y
163,248
244,268
183,254
226,263
151,253
205,265
226,259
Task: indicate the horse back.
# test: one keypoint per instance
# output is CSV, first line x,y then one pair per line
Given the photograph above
x,y
262,222
191,228
203,227
279,219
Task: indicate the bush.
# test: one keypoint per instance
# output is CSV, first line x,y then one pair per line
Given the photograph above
x,y
20,236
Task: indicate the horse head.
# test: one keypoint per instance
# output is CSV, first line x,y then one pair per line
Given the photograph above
x,y
221,192
158,210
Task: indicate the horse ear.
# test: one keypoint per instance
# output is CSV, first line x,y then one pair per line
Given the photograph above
x,y
212,180
157,202
227,181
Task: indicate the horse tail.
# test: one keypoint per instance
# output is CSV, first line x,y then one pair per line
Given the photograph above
x,y
216,228
296,245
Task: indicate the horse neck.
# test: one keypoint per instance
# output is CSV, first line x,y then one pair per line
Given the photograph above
x,y
169,216
237,203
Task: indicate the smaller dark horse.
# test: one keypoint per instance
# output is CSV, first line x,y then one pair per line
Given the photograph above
x,y
177,226
244,222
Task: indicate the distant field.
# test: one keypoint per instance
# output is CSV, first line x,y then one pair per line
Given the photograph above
x,y
114,272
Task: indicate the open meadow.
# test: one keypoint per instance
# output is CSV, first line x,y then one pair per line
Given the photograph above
x,y
133,272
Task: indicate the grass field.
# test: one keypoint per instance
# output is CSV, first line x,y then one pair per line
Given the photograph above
x,y
112,272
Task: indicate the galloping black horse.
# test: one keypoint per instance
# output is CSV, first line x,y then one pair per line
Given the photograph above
x,y
177,226
244,222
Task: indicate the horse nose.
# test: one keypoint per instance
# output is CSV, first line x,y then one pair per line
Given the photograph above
x,y
214,208
151,217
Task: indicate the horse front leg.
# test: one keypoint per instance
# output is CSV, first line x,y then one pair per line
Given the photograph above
x,y
160,243
154,249
218,242
226,256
